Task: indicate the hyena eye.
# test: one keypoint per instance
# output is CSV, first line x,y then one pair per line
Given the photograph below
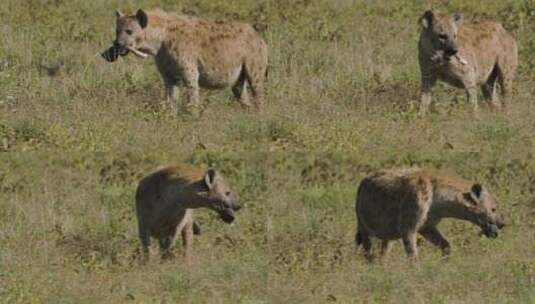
x,y
227,193
128,32
442,36
493,210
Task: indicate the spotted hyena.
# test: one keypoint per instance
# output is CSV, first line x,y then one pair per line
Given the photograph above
x,y
401,203
165,201
195,52
468,56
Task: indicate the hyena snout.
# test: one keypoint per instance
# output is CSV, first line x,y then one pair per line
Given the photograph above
x,y
227,213
121,43
223,200
449,46
492,226
499,222
120,47
451,50
491,231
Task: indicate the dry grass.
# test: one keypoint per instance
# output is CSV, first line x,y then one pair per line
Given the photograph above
x,y
342,93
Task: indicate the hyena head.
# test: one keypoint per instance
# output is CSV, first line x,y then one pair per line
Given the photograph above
x,y
483,207
442,29
222,199
129,35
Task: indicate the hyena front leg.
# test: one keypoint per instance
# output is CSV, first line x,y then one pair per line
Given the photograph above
x,y
171,93
191,82
436,238
187,239
386,246
428,81
471,93
166,243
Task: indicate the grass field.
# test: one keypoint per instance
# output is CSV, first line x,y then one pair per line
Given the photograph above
x,y
342,101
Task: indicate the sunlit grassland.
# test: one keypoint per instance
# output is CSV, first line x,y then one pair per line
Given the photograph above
x,y
342,101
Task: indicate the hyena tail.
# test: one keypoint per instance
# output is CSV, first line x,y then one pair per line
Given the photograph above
x,y
358,235
260,27
196,228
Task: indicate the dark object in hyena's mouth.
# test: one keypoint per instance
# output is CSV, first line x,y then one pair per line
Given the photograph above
x,y
111,54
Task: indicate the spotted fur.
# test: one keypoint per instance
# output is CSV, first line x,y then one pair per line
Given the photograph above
x,y
196,52
165,200
468,56
401,203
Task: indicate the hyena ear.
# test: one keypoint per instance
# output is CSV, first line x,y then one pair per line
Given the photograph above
x,y
427,19
118,13
477,190
458,18
469,197
210,178
142,18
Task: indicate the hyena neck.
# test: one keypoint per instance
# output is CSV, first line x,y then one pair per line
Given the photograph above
x,y
428,50
446,204
155,36
199,197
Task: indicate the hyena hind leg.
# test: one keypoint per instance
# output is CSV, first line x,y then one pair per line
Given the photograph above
x,y
506,85
409,242
489,90
144,237
506,71
256,76
241,91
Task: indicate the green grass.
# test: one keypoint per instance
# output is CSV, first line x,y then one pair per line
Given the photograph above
x,y
342,101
